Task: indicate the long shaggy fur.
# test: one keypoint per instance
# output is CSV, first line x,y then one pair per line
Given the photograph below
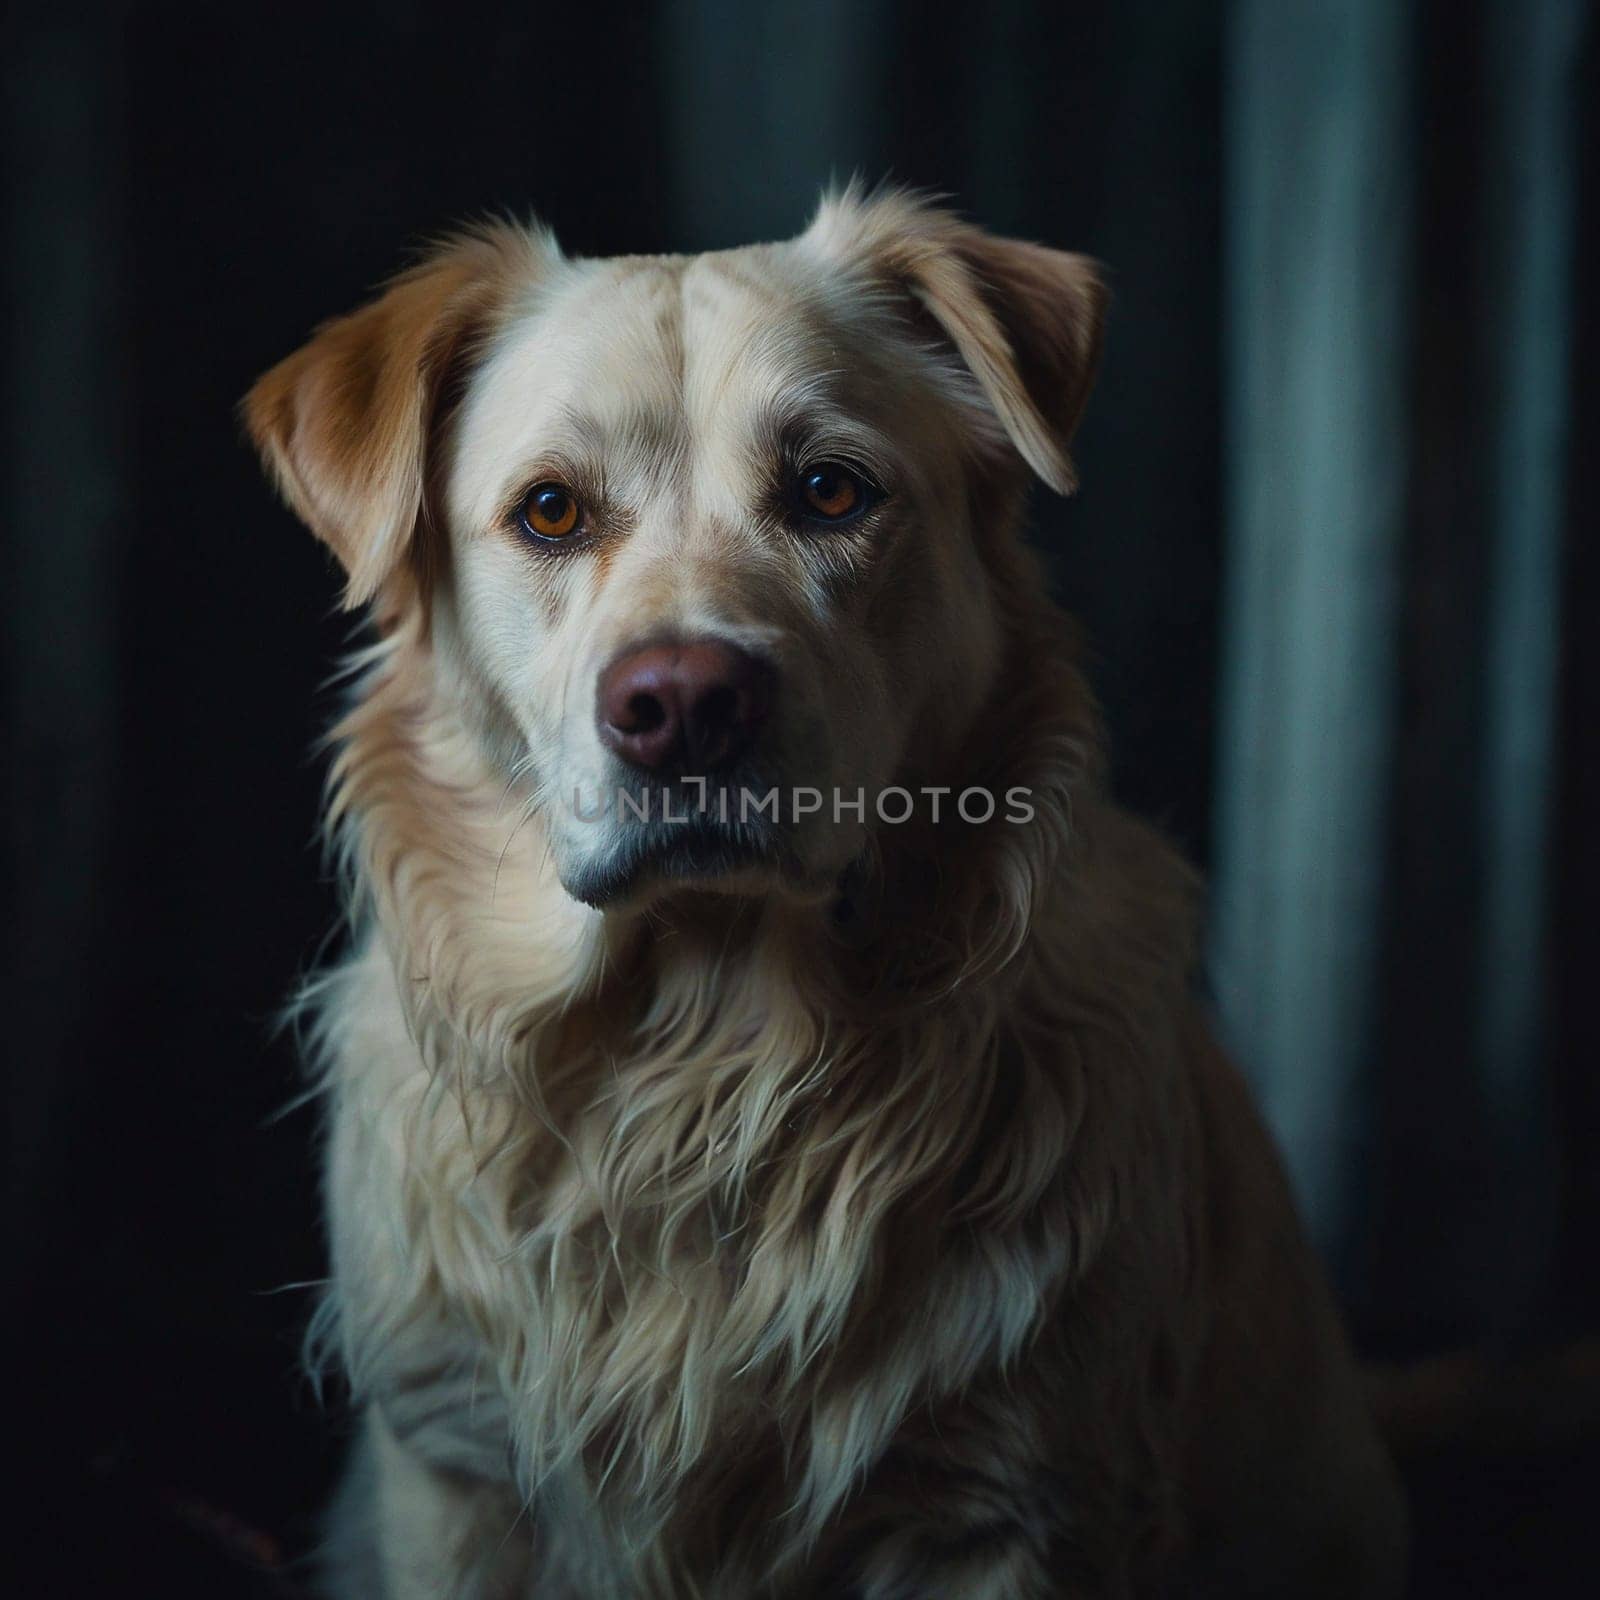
x,y
705,1252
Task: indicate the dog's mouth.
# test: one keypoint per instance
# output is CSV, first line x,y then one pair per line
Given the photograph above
x,y
687,838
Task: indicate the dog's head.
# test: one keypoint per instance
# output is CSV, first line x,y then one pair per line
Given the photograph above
x,y
706,544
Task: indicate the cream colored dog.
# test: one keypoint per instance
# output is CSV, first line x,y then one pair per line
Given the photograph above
x,y
792,1199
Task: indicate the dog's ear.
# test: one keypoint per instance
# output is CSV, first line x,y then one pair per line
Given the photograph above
x,y
344,424
1027,321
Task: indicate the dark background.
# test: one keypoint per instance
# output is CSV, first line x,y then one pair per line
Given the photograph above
x,y
190,189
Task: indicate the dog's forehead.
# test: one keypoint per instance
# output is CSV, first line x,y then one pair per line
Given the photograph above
x,y
676,336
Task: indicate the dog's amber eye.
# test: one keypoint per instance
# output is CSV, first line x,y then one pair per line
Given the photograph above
x,y
831,493
550,511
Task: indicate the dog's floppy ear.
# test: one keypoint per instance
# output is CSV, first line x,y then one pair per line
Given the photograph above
x,y
344,423
1026,320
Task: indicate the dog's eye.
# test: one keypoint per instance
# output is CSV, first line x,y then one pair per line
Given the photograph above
x,y
829,492
550,511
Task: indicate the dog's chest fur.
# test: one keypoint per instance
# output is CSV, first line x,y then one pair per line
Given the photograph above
x,y
690,1291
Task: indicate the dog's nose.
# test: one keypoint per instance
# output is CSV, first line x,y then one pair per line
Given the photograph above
x,y
693,706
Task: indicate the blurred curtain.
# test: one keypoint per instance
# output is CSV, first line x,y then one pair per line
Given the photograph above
x,y
1317,267
62,483
1402,196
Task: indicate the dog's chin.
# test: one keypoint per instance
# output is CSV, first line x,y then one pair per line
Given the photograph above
x,y
651,860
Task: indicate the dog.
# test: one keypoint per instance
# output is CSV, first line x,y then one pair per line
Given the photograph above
x,y
821,1196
